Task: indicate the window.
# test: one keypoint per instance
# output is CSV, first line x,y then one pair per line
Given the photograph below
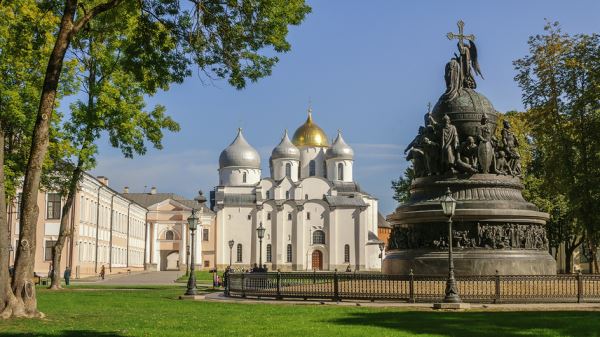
x,y
268,216
325,171
340,171
268,194
289,216
307,215
169,235
287,195
347,253
249,216
53,206
239,253
204,234
318,237
48,253
312,168
269,256
288,170
19,197
306,196
244,177
289,252
206,263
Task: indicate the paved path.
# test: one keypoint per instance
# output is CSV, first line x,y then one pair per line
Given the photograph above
x,y
148,278
219,297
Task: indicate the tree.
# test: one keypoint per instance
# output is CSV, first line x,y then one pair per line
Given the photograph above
x,y
224,39
114,104
560,81
25,42
401,186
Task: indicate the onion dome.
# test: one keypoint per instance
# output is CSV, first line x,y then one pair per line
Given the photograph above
x,y
239,154
339,149
285,149
310,134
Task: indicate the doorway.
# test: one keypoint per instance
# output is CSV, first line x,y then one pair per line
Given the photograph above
x,y
173,261
317,260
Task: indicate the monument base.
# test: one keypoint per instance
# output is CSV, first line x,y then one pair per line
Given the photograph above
x,y
452,306
470,262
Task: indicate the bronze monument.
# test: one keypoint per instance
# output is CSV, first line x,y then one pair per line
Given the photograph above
x,y
495,228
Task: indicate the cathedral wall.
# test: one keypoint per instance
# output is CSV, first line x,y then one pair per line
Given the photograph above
x,y
234,176
332,170
279,171
315,188
238,224
312,153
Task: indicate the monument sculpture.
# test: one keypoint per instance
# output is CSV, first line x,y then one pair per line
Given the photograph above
x,y
495,228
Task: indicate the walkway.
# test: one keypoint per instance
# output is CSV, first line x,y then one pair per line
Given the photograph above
x,y
146,278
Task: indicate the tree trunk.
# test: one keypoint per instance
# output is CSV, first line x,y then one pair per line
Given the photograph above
x,y
22,284
65,228
8,302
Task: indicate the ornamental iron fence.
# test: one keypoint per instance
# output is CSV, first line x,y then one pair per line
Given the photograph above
x,y
339,286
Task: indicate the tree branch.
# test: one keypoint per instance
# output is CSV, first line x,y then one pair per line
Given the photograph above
x,y
101,8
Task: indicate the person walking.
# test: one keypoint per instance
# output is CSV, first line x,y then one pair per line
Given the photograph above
x,y
67,276
102,272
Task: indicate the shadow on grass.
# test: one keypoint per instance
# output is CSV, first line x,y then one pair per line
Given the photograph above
x,y
480,324
65,333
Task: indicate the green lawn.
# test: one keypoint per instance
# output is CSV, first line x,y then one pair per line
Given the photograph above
x,y
156,311
202,276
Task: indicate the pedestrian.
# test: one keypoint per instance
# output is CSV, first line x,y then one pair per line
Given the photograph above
x,y
67,276
102,272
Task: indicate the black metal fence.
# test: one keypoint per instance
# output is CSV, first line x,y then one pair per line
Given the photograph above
x,y
339,286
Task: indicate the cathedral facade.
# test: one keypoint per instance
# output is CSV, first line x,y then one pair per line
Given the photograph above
x,y
315,215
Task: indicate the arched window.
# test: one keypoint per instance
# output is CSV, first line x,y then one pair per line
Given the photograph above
x,y
269,256
244,177
287,195
268,194
288,170
169,235
289,216
306,196
289,252
312,168
318,237
239,253
347,253
269,216
340,171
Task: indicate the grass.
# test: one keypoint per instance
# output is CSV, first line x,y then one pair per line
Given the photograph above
x,y
156,311
201,275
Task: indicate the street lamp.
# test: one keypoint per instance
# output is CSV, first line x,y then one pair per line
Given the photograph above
x,y
448,207
231,242
381,247
193,224
261,234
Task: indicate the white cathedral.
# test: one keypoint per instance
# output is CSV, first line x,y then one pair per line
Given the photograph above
x,y
316,217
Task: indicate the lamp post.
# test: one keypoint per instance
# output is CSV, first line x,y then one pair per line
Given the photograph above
x,y
448,207
261,234
231,242
381,248
193,224
187,259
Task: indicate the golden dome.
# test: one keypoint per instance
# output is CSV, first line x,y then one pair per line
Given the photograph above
x,y
310,134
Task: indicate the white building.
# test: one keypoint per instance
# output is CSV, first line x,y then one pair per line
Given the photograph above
x,y
316,217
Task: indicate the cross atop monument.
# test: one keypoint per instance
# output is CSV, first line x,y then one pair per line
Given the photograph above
x,y
460,36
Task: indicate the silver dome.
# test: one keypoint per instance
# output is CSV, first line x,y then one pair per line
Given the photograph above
x,y
239,154
339,149
285,149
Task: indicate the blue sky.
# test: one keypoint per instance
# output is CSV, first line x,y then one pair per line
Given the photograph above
x,y
369,68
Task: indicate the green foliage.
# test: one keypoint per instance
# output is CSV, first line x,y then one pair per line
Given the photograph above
x,y
560,80
401,186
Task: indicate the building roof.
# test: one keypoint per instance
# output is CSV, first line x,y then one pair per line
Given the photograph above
x,y
381,222
310,134
285,149
149,199
341,201
339,149
239,154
